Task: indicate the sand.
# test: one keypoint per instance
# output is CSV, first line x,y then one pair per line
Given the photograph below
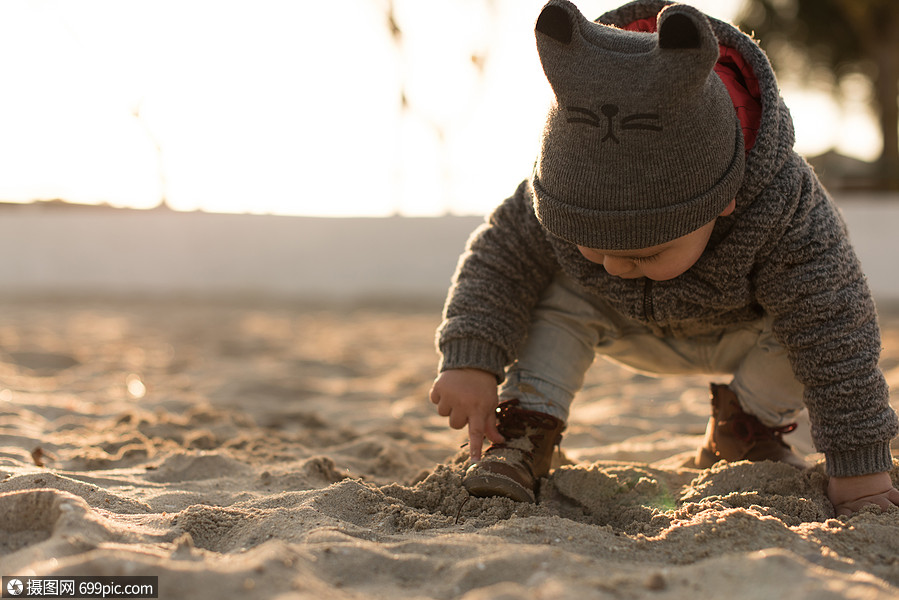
x,y
272,450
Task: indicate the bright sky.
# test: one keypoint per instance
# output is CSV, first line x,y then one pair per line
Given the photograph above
x,y
289,107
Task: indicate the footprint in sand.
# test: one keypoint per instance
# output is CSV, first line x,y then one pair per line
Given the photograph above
x,y
28,517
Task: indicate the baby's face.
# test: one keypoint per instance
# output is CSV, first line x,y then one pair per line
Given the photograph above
x,y
660,263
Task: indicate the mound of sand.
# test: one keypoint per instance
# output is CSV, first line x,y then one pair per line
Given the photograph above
x,y
287,452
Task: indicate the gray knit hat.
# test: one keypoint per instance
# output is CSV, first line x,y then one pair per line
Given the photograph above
x,y
642,144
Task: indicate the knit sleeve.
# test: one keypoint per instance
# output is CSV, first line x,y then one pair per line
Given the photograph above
x,y
507,264
812,284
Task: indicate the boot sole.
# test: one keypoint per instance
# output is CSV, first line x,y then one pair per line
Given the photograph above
x,y
485,486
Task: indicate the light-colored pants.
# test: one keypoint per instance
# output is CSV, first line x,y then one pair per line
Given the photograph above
x,y
569,328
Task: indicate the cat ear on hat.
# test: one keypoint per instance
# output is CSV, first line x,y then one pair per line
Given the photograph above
x,y
560,31
555,22
682,27
679,31
688,48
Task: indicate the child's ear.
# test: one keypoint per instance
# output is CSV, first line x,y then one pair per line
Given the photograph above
x,y
729,209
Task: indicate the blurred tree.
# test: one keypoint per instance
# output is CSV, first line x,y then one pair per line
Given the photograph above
x,y
844,37
477,57
160,163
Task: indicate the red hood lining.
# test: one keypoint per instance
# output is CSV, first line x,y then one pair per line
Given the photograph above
x,y
738,78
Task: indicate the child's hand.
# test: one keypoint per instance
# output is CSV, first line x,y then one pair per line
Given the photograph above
x,y
850,494
468,396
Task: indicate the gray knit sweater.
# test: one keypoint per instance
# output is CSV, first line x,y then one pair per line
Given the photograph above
x,y
783,252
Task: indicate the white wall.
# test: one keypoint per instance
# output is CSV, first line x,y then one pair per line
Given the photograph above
x,y
103,251
93,251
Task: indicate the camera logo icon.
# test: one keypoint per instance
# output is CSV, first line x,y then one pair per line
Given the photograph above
x,y
15,587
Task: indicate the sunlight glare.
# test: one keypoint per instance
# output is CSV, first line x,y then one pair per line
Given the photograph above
x,y
275,106
136,387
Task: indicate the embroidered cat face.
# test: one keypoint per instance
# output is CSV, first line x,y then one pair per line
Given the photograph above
x,y
642,121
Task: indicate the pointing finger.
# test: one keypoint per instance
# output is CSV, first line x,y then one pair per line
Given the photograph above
x,y
475,442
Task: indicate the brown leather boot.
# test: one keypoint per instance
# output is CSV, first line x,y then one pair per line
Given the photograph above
x,y
734,435
512,468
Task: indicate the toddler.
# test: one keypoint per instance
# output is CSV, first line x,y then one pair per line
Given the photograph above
x,y
669,225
